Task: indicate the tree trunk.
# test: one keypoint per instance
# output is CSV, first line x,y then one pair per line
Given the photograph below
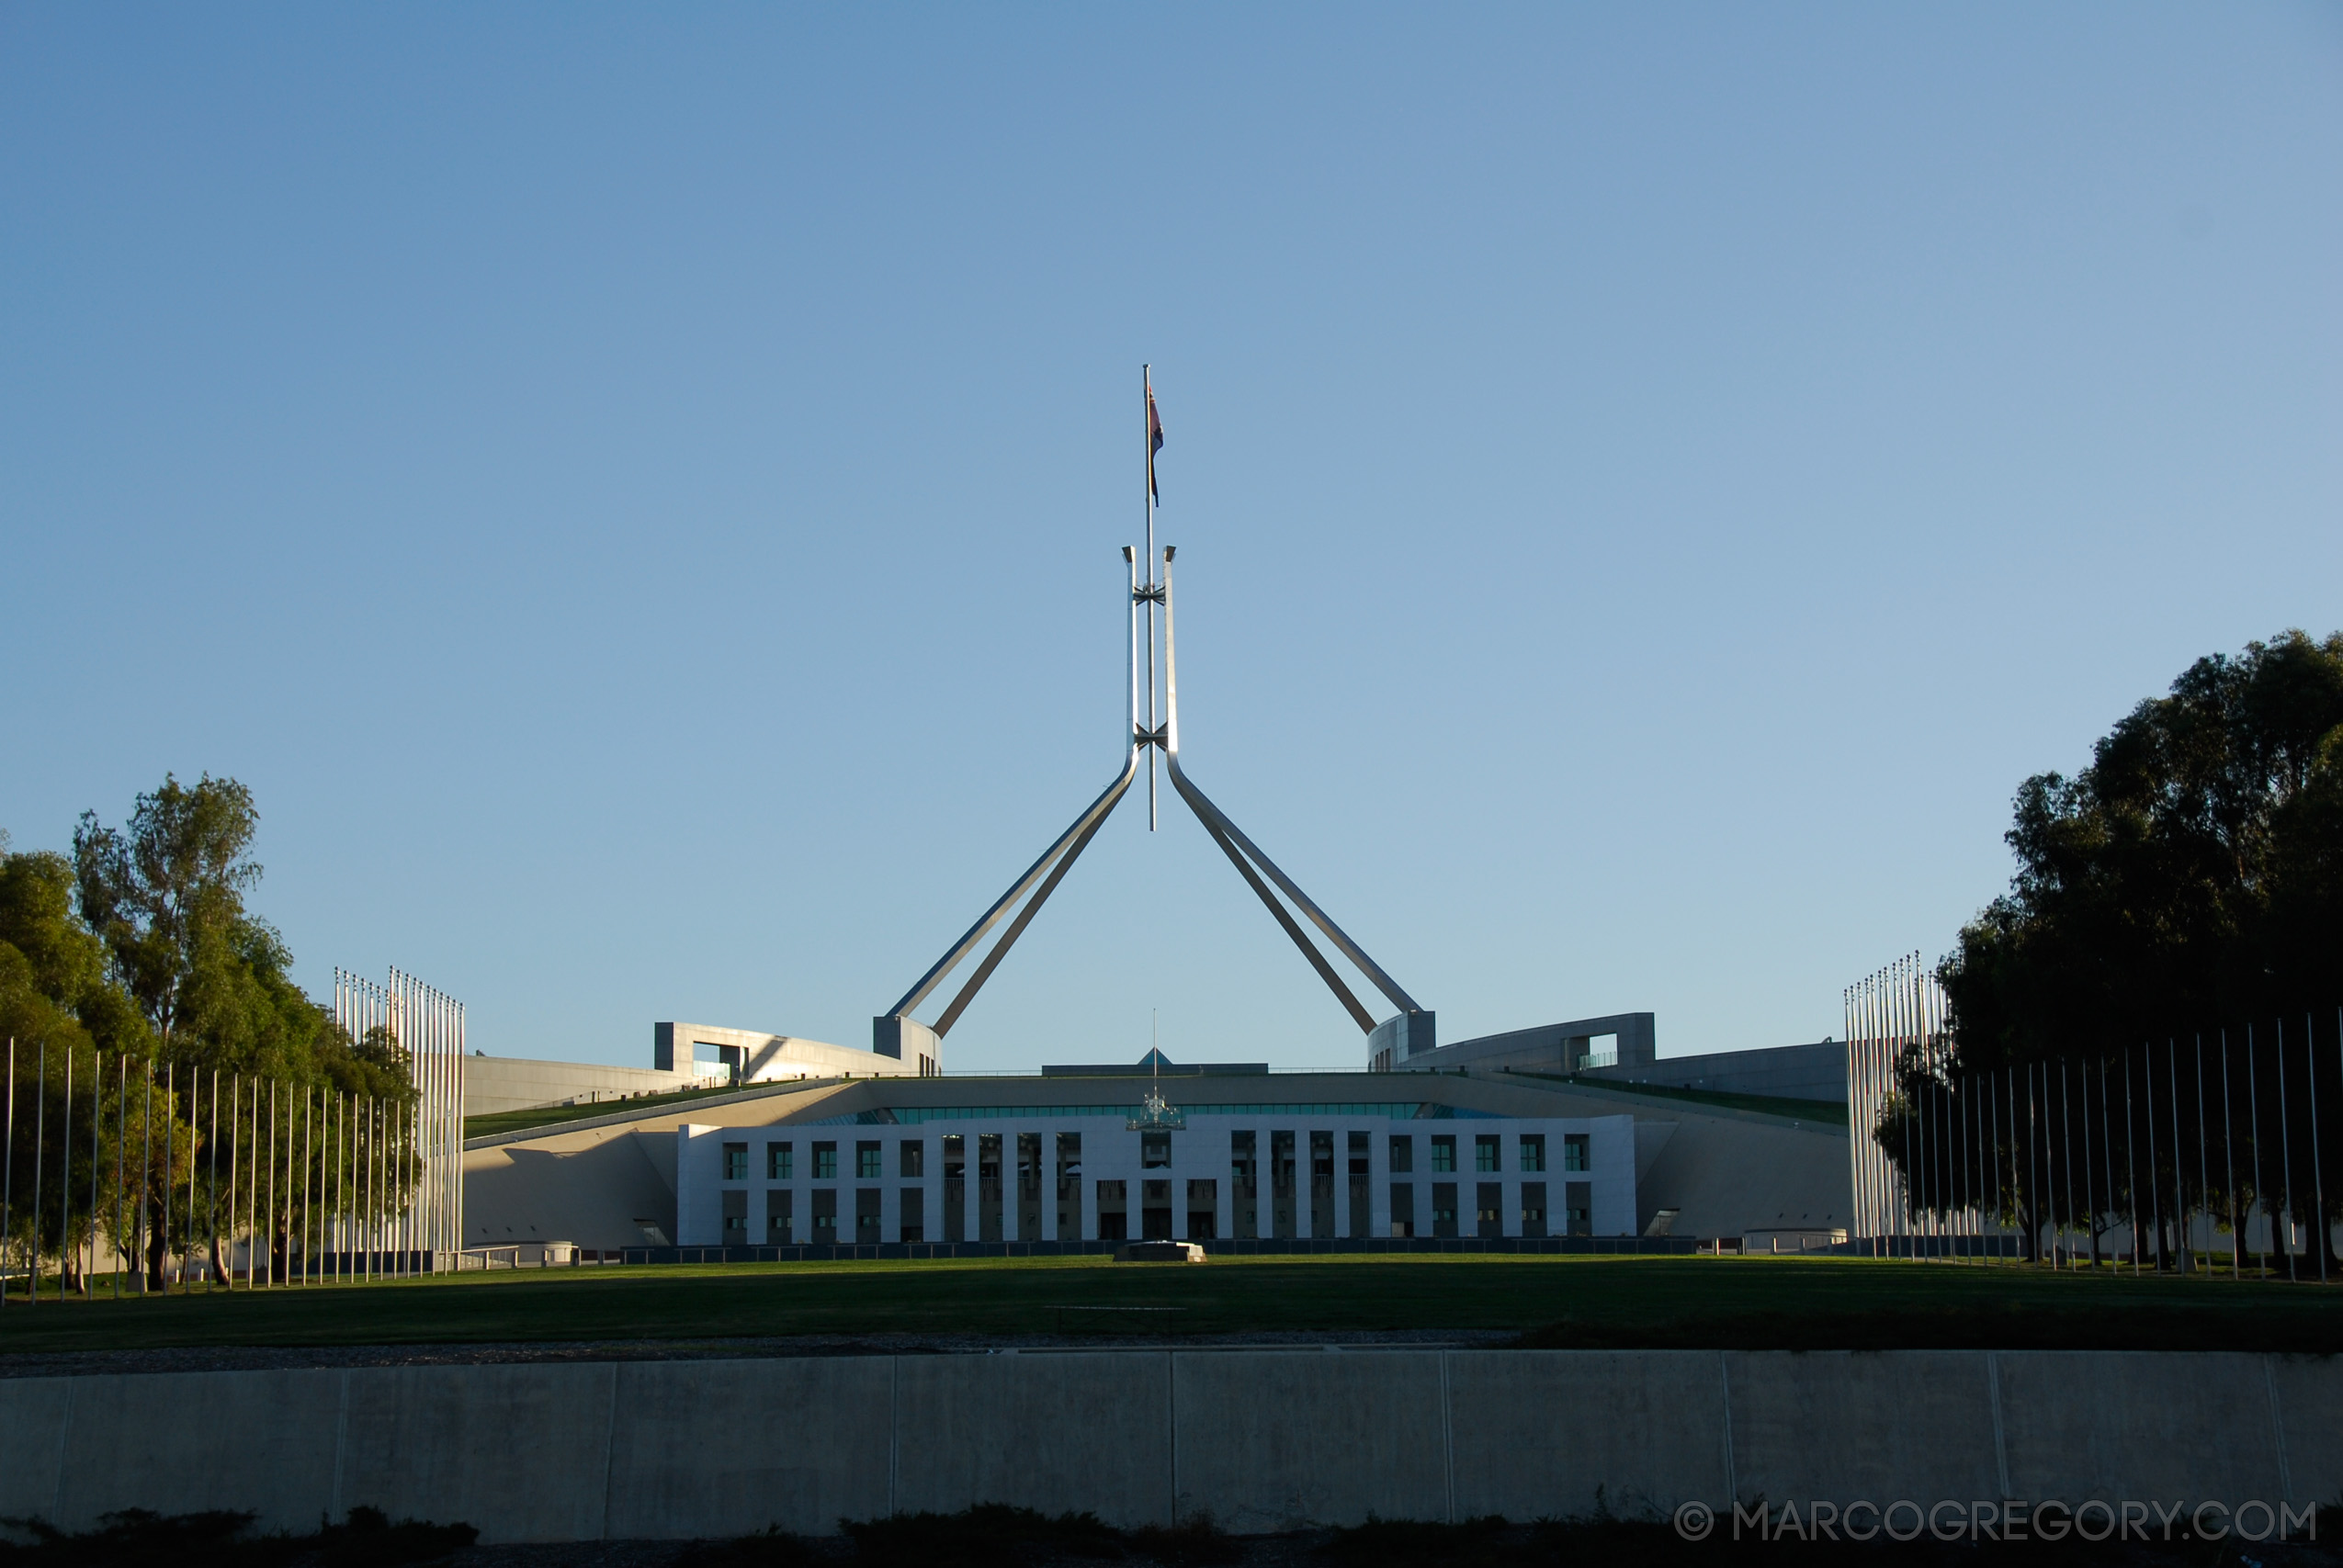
x,y
158,1251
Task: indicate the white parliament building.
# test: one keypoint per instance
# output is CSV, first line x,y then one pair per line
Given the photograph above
x,y
1322,1171
1531,1140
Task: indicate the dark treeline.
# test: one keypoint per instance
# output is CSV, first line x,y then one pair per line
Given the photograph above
x,y
2148,1016
138,947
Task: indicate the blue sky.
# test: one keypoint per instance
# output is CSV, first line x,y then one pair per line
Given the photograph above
x,y
638,493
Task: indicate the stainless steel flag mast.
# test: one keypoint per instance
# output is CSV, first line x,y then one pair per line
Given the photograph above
x,y
1411,1031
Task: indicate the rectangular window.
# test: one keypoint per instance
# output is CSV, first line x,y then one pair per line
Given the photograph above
x,y
777,1162
1578,1198
1489,1208
825,1162
1155,1151
913,1158
868,1200
1244,1186
1204,1209
736,1210
1358,1145
1532,1151
1403,1208
1574,1151
956,1187
825,1212
989,1198
777,1216
1282,1201
914,1225
1533,1208
1443,1152
1443,1207
1070,1186
1403,1154
1114,1216
1155,1210
866,1161
736,1162
1489,1152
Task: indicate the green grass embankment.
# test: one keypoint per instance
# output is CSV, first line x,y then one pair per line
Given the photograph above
x,y
1694,1303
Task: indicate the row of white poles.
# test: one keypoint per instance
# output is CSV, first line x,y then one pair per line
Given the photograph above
x,y
2029,1153
310,1169
428,1025
381,1182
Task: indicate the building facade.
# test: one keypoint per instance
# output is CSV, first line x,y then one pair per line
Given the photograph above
x,y
951,1173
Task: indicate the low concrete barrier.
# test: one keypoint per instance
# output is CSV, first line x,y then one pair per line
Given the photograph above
x,y
1259,1439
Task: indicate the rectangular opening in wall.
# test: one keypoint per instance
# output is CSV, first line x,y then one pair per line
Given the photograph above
x,y
1029,1187
1575,1151
1244,1195
989,1193
777,1216
867,1160
1204,1208
1282,1201
1070,1186
1578,1197
736,1210
1533,1208
1443,1153
866,1216
1114,1223
1155,1151
1403,1208
736,1162
825,1214
1443,1208
825,1162
913,1158
1403,1154
1359,1151
1532,1151
1489,1152
1322,1184
777,1162
956,1187
1489,1208
1155,1210
912,1206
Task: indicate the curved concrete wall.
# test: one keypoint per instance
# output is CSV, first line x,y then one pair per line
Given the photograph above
x,y
1261,1440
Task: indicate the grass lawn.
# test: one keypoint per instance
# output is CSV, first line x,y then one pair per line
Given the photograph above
x,y
1795,1303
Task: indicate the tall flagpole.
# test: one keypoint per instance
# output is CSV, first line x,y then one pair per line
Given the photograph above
x,y
1147,478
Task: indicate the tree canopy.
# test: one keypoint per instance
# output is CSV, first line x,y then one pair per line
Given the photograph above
x,y
141,946
2191,875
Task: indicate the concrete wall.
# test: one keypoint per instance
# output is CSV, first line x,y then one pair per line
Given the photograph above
x,y
1548,1048
1261,1440
522,1083
759,1057
1797,1072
